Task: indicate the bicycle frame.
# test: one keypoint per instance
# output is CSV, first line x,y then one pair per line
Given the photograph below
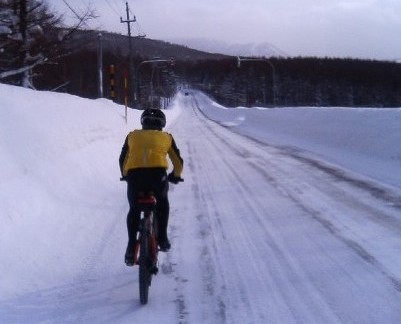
x,y
146,246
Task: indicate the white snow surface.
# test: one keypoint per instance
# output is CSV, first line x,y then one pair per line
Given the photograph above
x,y
366,140
286,215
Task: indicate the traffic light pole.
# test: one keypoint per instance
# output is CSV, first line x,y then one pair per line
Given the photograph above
x,y
154,62
244,59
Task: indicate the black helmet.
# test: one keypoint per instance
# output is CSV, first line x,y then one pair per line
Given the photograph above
x,y
153,119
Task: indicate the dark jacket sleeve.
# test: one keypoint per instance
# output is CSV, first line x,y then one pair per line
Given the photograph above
x,y
123,153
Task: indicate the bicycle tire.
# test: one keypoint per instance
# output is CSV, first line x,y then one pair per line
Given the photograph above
x,y
144,270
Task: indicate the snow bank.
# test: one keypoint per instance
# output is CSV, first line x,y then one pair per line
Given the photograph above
x,y
365,140
59,183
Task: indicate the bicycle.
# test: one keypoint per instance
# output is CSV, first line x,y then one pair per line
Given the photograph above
x,y
146,246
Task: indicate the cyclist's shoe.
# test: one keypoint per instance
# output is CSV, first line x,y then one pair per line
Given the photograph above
x,y
154,270
130,255
164,245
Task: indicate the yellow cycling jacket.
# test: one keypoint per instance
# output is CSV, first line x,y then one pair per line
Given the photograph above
x,y
148,148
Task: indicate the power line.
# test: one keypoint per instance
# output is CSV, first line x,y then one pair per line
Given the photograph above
x,y
72,9
119,5
113,8
140,34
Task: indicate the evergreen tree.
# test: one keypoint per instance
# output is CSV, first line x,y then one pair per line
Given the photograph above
x,y
26,38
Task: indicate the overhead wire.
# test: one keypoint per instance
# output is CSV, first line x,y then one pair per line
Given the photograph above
x,y
113,8
116,9
119,5
72,9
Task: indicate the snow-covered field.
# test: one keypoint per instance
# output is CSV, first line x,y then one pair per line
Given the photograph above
x,y
300,226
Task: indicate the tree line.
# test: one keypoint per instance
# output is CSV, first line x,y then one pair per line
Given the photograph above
x,y
302,81
295,81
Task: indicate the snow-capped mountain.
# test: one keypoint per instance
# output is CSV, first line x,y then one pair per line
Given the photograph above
x,y
216,46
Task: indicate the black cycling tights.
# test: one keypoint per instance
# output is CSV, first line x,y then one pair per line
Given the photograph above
x,y
149,179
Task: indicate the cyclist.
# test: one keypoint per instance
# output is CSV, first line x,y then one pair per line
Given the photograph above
x,y
144,164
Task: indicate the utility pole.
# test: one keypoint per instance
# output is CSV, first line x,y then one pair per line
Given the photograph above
x,y
23,26
130,63
100,65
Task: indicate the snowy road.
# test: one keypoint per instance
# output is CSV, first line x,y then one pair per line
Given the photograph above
x,y
280,238
261,233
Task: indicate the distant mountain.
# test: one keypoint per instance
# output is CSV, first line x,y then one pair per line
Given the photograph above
x,y
181,49
215,46
144,47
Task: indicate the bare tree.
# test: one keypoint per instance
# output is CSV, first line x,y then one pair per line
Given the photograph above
x,y
30,35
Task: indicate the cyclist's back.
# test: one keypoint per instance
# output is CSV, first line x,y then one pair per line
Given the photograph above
x,y
148,148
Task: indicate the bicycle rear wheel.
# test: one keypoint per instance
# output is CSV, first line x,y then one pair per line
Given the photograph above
x,y
144,270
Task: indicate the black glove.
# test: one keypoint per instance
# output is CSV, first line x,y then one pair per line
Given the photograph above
x,y
173,179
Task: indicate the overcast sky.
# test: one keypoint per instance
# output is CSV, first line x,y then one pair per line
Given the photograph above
x,y
334,28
